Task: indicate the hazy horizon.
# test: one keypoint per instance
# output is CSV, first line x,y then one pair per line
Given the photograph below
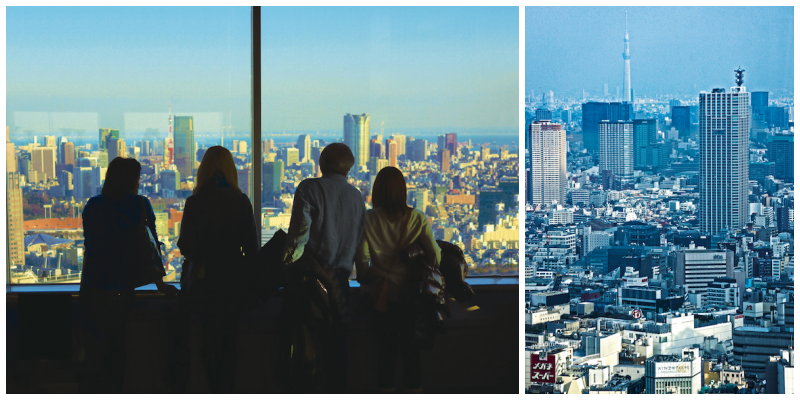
x,y
682,50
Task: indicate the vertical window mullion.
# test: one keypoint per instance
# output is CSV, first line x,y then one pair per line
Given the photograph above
x,y
256,114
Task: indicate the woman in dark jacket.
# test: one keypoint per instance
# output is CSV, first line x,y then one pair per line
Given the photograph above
x,y
110,223
218,238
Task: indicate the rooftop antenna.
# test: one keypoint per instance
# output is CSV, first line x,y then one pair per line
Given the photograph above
x,y
739,76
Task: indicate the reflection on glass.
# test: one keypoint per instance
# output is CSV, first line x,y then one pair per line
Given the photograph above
x,y
86,85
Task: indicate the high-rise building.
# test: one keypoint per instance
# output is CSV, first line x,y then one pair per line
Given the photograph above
x,y
777,117
356,137
116,148
724,162
304,147
14,230
184,146
420,150
244,180
272,173
391,152
548,160
780,150
594,112
490,198
682,120
696,269
645,132
171,179
83,183
401,143
759,101
627,92
291,156
11,158
451,143
43,160
616,148
68,153
105,135
418,199
446,160
242,147
50,141
376,149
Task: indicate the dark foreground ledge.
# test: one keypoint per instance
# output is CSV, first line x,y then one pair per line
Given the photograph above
x,y
479,353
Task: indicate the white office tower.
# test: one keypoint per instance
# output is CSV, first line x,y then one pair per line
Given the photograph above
x,y
724,148
548,152
616,148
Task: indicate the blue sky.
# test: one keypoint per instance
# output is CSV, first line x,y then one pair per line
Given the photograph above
x,y
673,49
409,67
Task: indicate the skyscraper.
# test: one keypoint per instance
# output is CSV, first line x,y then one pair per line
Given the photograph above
x,y
644,133
105,135
401,143
724,148
780,150
594,112
116,148
391,152
548,160
759,101
68,153
272,173
291,156
446,160
616,148
356,137
627,92
451,143
184,146
14,228
11,158
681,120
304,146
43,160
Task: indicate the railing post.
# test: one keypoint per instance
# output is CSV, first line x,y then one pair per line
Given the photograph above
x,y
255,194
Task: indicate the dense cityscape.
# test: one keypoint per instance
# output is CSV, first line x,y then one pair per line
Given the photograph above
x,y
659,247
468,190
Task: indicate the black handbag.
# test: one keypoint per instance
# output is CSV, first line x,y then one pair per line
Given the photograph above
x,y
147,263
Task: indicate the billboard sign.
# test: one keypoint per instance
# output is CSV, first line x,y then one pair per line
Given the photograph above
x,y
543,369
673,369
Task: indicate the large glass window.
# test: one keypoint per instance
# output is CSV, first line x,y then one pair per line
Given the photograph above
x,y
88,84
433,91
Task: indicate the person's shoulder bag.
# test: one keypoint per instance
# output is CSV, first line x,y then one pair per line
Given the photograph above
x,y
147,263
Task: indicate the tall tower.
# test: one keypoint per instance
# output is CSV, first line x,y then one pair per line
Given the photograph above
x,y
724,162
184,155
626,56
15,231
169,151
548,160
356,137
304,145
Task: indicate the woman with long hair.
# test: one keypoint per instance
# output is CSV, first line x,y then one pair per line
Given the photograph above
x,y
391,227
111,222
218,238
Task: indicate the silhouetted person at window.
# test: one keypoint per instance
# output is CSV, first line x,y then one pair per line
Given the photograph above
x,y
218,238
110,223
327,221
392,227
